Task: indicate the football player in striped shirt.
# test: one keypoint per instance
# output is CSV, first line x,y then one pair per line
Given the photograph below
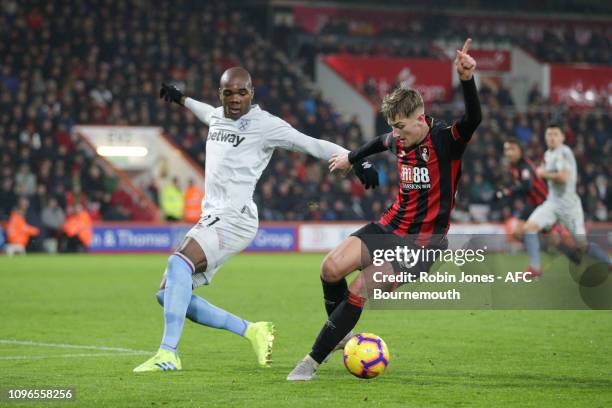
x,y
528,185
525,181
429,155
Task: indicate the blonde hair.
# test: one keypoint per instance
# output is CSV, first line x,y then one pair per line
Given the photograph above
x,y
401,102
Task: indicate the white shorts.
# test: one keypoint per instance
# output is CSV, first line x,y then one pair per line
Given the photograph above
x,y
221,237
549,213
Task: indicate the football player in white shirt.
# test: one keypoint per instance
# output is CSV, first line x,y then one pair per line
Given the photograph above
x,y
240,143
562,205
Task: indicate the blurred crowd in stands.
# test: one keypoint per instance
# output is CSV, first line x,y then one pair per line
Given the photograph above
x,y
418,35
101,62
586,132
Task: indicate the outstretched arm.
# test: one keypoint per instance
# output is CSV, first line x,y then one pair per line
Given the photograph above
x,y
171,93
379,144
202,110
376,145
280,134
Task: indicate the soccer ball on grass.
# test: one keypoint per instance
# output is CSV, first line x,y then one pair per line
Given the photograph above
x,y
366,355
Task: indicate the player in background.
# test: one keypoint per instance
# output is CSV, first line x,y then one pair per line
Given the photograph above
x,y
240,143
562,205
527,184
429,157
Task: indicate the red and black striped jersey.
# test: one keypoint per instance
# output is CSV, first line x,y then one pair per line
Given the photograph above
x,y
527,182
429,172
428,177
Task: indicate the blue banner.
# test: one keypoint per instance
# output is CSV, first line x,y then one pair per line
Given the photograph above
x,y
132,239
274,239
164,238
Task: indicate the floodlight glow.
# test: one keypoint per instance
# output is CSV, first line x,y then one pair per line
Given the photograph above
x,y
122,151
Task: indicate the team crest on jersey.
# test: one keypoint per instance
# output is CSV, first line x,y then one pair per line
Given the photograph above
x,y
425,153
243,124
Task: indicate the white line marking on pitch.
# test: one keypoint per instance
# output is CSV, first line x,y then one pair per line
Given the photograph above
x,y
73,355
71,346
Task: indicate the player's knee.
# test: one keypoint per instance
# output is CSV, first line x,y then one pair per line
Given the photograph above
x,y
331,270
160,296
530,227
177,265
192,251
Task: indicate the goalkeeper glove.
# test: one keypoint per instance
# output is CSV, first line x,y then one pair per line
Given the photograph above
x,y
171,93
367,174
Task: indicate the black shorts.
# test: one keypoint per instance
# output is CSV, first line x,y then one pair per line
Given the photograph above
x,y
370,234
375,237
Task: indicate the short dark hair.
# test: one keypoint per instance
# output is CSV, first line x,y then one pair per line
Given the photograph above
x,y
514,141
401,102
554,124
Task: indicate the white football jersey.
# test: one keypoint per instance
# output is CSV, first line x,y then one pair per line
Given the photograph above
x,y
238,151
562,158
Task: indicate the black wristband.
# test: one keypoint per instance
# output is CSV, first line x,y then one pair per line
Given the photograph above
x,y
351,157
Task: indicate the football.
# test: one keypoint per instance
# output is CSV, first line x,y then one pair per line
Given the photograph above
x,y
366,355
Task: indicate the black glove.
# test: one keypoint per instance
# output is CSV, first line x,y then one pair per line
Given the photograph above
x,y
171,93
367,174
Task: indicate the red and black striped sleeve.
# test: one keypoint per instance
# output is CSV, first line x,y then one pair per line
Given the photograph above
x,y
378,144
528,183
464,128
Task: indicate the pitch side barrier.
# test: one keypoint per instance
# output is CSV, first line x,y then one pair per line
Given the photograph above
x,y
314,237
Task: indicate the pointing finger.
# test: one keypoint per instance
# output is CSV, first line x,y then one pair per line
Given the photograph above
x,y
466,45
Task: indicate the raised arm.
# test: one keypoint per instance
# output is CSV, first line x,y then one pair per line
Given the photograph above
x,y
465,127
465,65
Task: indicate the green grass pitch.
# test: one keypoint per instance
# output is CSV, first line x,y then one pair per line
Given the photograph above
x,y
438,358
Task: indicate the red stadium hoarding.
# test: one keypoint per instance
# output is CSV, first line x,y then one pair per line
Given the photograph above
x,y
370,21
581,85
493,60
433,78
312,19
